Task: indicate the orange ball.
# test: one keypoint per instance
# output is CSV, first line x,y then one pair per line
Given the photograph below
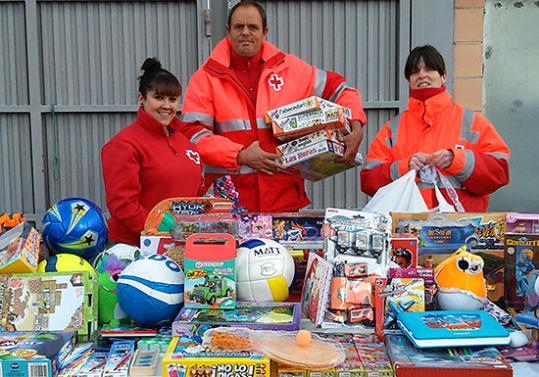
x,y
304,338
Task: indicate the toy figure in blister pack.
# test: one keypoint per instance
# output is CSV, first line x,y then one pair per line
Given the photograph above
x,y
523,267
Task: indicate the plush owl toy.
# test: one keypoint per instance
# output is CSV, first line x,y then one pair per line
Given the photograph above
x,y
461,284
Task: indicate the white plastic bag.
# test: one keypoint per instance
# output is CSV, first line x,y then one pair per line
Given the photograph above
x,y
401,195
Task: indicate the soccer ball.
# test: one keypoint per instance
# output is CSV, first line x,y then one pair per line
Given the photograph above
x,y
150,291
75,226
65,263
264,271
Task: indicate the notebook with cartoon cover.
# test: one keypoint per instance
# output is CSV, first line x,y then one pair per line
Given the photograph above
x,y
452,328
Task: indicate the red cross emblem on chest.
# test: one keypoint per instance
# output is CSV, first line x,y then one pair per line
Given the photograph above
x,y
276,82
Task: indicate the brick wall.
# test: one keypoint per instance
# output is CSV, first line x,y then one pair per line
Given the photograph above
x,y
468,54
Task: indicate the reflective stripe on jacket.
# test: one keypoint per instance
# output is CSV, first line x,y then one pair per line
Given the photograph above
x,y
481,157
221,120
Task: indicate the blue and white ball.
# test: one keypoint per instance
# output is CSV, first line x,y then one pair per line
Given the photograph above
x,y
75,226
264,271
150,290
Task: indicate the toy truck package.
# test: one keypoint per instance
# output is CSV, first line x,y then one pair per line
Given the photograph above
x,y
314,156
210,271
34,354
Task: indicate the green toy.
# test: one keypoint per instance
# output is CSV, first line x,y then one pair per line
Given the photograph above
x,y
109,269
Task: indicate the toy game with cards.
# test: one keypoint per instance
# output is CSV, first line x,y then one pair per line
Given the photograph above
x,y
49,302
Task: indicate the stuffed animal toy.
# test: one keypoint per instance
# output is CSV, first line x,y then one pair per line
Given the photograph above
x,y
461,284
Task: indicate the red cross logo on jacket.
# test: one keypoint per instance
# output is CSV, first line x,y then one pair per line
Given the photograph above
x,y
276,82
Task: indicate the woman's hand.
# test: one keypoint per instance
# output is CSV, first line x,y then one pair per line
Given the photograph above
x,y
418,160
259,159
442,159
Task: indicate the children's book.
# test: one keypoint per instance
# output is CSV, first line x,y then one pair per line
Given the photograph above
x,y
314,298
452,328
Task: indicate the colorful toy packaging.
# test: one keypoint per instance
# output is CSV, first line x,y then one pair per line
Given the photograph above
x,y
19,249
307,116
119,358
314,156
441,234
34,354
210,271
408,361
54,301
403,250
261,316
521,255
228,355
297,229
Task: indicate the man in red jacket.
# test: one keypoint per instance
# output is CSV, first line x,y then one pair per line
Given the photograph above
x,y
228,96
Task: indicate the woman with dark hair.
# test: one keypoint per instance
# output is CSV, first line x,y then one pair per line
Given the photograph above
x,y
149,160
435,131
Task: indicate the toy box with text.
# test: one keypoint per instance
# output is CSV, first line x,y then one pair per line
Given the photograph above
x,y
307,116
187,356
314,157
408,361
373,356
165,230
53,301
404,250
261,316
441,234
521,258
210,271
34,354
119,357
402,295
19,249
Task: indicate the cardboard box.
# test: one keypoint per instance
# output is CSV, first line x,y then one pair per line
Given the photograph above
x,y
441,234
164,245
19,249
307,116
408,361
318,160
404,250
185,357
34,354
52,301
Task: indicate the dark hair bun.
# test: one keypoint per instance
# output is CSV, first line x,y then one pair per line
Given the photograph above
x,y
151,64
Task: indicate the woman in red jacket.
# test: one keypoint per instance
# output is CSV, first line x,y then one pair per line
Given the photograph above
x,y
435,131
149,160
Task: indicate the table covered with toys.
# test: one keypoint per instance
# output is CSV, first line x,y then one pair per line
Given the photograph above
x,y
213,291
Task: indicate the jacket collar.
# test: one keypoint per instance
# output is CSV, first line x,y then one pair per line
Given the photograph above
x,y
220,58
151,124
431,109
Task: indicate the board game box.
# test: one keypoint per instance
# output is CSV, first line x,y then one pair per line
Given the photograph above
x,y
408,361
53,301
34,353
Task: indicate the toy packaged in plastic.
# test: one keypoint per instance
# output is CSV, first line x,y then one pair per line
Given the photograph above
x,y
254,225
521,258
185,225
354,237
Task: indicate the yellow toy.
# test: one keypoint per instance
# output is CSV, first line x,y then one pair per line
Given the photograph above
x,y
461,284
